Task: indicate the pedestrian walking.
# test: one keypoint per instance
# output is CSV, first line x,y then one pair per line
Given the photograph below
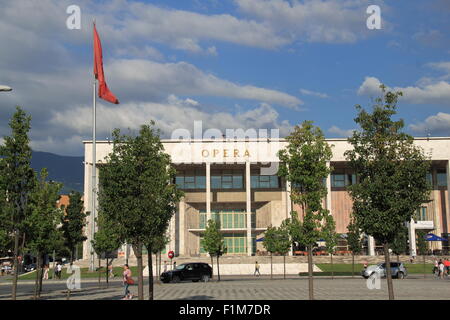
x,y
110,271
446,266
165,266
127,281
174,265
45,276
441,269
256,269
59,269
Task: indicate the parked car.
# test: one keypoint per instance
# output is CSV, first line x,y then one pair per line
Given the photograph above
x,y
188,271
30,267
398,270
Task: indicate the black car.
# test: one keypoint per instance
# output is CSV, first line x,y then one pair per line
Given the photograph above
x,y
188,271
30,267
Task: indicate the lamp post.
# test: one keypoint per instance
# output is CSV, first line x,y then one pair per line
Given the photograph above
x,y
5,88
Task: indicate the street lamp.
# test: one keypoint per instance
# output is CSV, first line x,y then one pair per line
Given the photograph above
x,y
5,88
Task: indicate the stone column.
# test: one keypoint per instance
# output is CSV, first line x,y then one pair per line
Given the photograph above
x,y
288,206
412,238
249,207
328,199
208,191
371,245
181,228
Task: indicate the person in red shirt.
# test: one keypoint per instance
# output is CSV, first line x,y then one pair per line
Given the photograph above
x,y
447,266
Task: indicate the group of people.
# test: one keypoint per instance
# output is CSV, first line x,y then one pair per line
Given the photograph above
x,y
441,268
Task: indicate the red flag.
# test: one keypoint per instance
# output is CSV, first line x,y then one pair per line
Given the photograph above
x,y
103,91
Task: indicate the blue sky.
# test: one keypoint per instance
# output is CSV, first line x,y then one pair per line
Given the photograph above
x,y
231,64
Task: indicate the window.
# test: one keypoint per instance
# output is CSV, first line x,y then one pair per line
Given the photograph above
x,y
228,219
264,182
338,180
341,180
227,179
194,179
235,242
421,214
429,178
441,178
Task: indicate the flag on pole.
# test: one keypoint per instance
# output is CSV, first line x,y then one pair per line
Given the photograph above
x,y
103,91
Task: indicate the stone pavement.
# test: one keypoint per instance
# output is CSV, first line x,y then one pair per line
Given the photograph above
x,y
245,288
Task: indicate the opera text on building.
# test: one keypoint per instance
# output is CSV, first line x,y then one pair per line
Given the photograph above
x,y
235,182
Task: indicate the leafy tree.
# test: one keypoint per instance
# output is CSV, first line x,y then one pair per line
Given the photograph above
x,y
392,174
42,224
304,163
106,240
330,236
400,243
18,178
73,222
354,240
422,247
270,243
157,246
213,242
137,190
283,242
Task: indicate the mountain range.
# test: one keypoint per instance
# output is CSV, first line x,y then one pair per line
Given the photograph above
x,y
65,169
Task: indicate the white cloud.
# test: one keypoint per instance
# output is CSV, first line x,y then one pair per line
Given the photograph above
x,y
425,92
438,124
173,114
330,21
370,87
341,132
313,93
143,78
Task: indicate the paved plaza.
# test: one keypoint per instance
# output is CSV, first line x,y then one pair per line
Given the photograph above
x,y
240,288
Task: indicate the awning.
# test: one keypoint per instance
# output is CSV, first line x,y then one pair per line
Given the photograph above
x,y
433,237
260,239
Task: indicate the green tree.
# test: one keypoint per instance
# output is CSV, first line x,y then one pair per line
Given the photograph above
x,y
137,190
392,174
19,178
156,247
106,241
422,247
330,236
42,224
354,240
213,242
270,243
304,164
283,242
73,222
400,243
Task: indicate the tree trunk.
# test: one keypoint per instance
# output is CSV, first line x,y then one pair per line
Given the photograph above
x,y
310,274
353,265
107,273
16,264
138,252
99,270
284,266
387,260
218,273
398,258
36,283
41,277
271,266
332,269
424,272
150,274
212,266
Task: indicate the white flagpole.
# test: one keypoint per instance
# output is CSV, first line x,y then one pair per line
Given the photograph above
x,y
94,175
